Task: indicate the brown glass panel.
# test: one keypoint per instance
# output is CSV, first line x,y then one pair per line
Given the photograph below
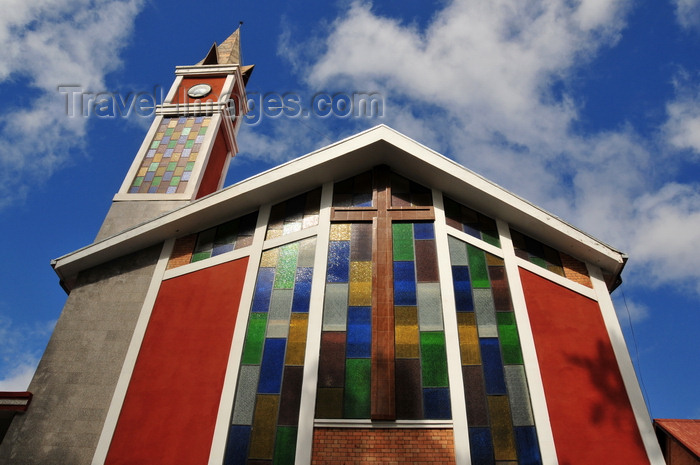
x,y
426,261
331,371
409,394
475,395
499,286
291,395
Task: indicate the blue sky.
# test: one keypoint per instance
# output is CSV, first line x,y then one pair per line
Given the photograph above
x,y
590,109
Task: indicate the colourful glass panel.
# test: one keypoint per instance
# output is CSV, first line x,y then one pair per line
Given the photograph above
x,y
406,193
419,330
295,214
268,395
471,222
499,412
345,356
175,152
551,259
354,192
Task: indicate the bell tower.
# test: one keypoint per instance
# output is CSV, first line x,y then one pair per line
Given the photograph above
x,y
186,153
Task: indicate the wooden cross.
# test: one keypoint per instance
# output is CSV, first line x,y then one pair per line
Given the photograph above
x,y
382,214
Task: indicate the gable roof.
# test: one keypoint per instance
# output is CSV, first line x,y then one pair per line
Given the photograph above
x,y
687,432
358,153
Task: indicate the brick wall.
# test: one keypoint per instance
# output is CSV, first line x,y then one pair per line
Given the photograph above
x,y
393,446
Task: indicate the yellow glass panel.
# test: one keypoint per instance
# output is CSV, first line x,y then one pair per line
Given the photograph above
x,y
273,233
501,428
269,258
161,170
189,123
142,171
175,135
492,260
360,294
296,344
175,157
172,123
407,337
262,439
340,232
468,339
159,135
157,157
179,170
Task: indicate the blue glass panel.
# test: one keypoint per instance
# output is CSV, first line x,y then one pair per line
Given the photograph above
x,y
263,290
436,404
493,366
404,284
302,289
272,365
359,336
362,200
481,446
423,231
237,446
338,262
463,289
219,249
471,231
527,446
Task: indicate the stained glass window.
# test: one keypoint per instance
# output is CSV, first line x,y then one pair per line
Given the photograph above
x,y
346,345
549,258
406,193
295,214
354,192
471,222
232,235
167,166
499,412
266,408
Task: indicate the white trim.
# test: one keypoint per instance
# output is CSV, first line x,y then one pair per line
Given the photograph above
x,y
555,278
538,400
228,392
629,376
206,263
173,90
205,70
398,424
291,237
307,408
132,353
354,154
469,239
449,315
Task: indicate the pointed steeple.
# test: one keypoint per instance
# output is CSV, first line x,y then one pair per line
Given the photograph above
x,y
229,52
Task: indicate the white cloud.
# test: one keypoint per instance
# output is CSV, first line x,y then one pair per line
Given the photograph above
x,y
487,83
21,346
682,129
53,43
18,378
688,13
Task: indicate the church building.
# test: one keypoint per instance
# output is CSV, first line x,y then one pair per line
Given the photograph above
x,y
370,302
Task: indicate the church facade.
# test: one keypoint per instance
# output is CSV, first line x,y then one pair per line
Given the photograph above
x,y
370,302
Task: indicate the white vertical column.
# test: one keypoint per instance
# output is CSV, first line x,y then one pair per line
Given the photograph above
x,y
454,357
629,376
305,434
228,393
527,344
132,353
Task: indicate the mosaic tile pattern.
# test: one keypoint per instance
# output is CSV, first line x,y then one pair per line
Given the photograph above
x,y
295,214
406,193
499,412
422,389
471,222
354,192
549,258
168,164
232,235
265,415
346,340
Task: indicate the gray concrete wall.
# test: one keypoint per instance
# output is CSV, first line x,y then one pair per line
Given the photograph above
x,y
77,375
125,215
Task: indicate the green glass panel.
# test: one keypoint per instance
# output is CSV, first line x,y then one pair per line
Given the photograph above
x,y
538,261
200,256
155,144
285,445
156,181
203,131
171,166
169,131
357,387
189,166
477,267
255,339
172,144
491,237
189,144
433,359
175,181
138,181
286,266
154,166
508,334
403,241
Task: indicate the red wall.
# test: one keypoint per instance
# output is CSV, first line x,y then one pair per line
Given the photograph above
x,y
215,166
216,83
173,397
591,416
